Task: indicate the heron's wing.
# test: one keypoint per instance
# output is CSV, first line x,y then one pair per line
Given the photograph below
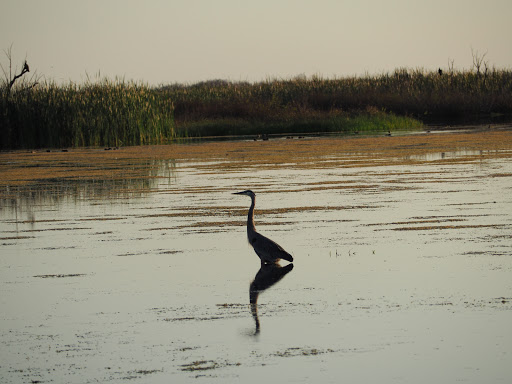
x,y
269,250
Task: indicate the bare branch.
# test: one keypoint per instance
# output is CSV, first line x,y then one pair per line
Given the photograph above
x,y
16,77
450,65
478,59
11,81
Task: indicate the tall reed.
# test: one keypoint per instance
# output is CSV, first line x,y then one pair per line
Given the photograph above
x,y
413,92
108,113
126,113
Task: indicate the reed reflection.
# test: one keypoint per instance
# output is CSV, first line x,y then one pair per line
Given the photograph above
x,y
268,275
50,184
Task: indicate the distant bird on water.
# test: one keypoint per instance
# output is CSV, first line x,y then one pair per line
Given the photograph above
x,y
267,250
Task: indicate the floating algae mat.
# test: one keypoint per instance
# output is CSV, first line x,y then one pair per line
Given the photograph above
x,y
133,264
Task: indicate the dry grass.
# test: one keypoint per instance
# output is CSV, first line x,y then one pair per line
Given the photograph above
x,y
116,112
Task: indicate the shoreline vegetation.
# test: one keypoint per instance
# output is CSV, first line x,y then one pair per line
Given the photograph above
x,y
120,113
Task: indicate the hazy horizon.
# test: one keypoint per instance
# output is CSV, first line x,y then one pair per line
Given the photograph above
x,y
187,41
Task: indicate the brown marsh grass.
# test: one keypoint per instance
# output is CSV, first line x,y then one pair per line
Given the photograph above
x,y
21,168
114,113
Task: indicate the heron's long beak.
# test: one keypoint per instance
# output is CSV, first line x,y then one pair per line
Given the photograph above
x,y
237,193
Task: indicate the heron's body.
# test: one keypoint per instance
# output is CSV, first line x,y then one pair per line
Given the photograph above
x,y
267,250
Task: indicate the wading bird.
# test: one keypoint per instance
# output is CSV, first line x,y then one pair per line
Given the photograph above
x,y
267,250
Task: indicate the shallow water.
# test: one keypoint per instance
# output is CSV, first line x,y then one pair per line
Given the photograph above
x,y
402,269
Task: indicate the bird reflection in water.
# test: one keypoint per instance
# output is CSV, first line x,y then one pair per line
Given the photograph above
x,y
267,276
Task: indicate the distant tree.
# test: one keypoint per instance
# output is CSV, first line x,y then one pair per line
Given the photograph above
x,y
451,63
478,60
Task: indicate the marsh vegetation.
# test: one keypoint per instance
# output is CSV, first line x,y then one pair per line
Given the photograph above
x,y
343,104
110,113
119,113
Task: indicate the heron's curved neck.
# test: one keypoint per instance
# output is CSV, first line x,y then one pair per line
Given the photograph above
x,y
250,216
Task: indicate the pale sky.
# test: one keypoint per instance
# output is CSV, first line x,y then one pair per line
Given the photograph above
x,y
167,41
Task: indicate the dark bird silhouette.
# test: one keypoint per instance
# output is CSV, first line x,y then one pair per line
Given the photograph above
x,y
267,250
267,276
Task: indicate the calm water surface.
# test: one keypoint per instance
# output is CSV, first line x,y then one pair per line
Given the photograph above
x,y
402,273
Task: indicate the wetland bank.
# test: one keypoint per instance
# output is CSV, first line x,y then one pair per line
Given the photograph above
x,y
132,265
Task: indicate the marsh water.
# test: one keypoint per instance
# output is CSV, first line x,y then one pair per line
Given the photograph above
x,y
132,265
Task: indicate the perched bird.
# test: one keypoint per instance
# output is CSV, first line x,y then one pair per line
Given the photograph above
x,y
267,250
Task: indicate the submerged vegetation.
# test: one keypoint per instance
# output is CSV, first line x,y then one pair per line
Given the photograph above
x,y
114,113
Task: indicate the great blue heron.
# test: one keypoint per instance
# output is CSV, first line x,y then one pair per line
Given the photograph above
x,y
267,250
